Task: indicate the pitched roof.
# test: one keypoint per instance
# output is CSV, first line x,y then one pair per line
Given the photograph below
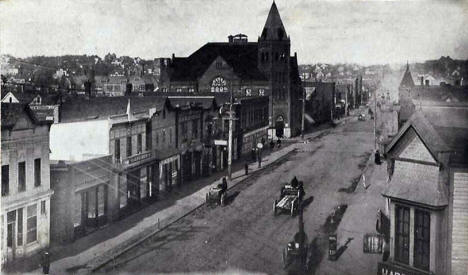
x,y
12,112
241,57
443,129
409,187
274,28
81,109
407,80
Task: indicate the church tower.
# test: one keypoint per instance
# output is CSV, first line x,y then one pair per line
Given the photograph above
x,y
274,48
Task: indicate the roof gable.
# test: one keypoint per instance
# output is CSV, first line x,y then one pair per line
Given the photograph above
x,y
10,98
416,150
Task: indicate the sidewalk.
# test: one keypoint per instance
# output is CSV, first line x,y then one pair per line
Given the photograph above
x,y
359,219
91,251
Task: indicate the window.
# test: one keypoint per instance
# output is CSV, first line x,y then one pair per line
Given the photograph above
x,y
37,172
32,224
248,92
218,85
402,224
422,224
5,180
179,90
191,90
164,136
117,149
139,143
183,129
11,220
19,239
43,207
129,146
261,92
170,135
156,138
21,176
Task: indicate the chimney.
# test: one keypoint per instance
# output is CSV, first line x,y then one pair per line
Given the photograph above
x,y
422,80
230,39
427,82
173,57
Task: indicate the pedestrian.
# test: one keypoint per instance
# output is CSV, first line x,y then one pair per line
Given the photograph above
x,y
246,167
272,144
279,143
252,154
45,262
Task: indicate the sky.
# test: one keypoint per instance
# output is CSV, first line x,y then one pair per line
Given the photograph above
x,y
346,31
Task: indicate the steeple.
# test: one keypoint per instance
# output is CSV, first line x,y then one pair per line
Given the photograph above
x,y
407,80
274,29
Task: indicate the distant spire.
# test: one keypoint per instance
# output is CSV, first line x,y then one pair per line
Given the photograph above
x,y
407,80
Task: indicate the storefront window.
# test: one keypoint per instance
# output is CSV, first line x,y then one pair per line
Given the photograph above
x,y
11,219
422,224
123,194
20,227
32,224
101,200
77,209
402,224
143,182
92,204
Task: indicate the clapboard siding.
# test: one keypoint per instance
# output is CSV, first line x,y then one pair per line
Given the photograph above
x,y
460,224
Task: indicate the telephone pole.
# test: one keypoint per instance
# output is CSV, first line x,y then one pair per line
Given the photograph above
x,y
231,118
375,119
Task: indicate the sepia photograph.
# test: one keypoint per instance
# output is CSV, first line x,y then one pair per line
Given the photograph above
x,y
206,137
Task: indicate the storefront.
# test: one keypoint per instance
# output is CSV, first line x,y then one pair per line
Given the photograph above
x,y
169,170
90,209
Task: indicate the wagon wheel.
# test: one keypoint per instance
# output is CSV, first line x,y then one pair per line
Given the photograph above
x,y
274,207
222,200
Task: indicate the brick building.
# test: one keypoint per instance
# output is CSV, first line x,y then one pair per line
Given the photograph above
x,y
320,100
427,197
245,68
26,193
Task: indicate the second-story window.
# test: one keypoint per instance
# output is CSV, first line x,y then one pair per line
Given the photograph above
x,y
191,90
37,172
179,90
261,92
248,92
117,149
21,176
5,179
139,143
129,146
164,136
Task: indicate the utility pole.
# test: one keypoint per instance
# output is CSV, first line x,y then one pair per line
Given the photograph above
x,y
375,119
303,112
231,119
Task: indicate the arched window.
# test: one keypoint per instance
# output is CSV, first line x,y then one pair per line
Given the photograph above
x,y
218,85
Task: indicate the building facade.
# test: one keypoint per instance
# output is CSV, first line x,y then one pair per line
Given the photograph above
x,y
26,193
427,195
245,68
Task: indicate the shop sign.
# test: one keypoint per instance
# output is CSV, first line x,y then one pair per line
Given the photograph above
x,y
372,243
392,269
220,142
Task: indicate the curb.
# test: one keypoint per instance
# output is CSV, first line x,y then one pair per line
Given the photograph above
x,y
98,266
